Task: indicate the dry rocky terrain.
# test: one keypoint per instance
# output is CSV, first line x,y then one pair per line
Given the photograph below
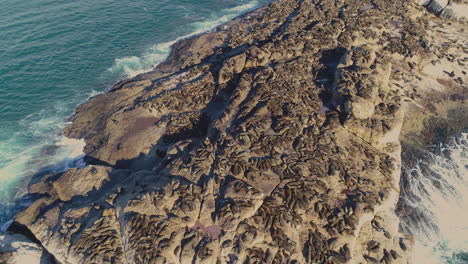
x,y
273,139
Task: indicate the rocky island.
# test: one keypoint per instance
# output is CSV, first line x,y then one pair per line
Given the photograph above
x,y
276,138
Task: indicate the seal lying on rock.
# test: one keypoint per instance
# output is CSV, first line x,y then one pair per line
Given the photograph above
x,y
274,139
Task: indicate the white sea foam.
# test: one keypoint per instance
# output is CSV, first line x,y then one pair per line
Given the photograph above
x,y
44,125
30,160
93,93
25,160
131,66
67,153
244,7
439,191
71,148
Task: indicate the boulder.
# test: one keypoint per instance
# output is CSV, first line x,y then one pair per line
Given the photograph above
x,y
80,181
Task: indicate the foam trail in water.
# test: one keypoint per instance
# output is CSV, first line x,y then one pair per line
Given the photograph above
x,y
32,159
439,193
44,126
131,66
67,153
51,153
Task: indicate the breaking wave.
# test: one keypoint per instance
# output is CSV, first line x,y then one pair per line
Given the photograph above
x,y
53,152
127,67
436,193
30,148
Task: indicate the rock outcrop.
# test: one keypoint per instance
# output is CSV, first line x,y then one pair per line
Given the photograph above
x,y
18,249
273,139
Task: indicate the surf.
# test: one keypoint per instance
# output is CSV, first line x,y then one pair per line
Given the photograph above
x,y
31,120
437,193
130,66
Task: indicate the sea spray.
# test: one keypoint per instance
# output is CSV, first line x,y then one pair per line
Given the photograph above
x,y
62,54
67,153
131,66
53,153
436,192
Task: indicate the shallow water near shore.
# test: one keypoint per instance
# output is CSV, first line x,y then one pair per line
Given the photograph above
x,y
56,54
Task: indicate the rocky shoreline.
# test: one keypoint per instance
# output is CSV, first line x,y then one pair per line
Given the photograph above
x,y
273,139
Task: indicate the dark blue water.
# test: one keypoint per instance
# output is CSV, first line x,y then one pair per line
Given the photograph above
x,y
54,54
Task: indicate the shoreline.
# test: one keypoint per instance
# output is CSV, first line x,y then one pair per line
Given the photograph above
x,y
56,143
180,41
134,157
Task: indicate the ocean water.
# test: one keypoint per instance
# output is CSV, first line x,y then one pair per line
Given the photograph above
x,y
438,192
55,54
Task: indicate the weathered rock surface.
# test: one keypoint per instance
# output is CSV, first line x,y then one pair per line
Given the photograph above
x,y
274,139
18,249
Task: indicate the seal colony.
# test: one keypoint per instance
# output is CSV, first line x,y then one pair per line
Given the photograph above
x,y
273,139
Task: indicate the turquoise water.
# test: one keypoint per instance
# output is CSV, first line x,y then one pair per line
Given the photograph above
x,y
54,54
